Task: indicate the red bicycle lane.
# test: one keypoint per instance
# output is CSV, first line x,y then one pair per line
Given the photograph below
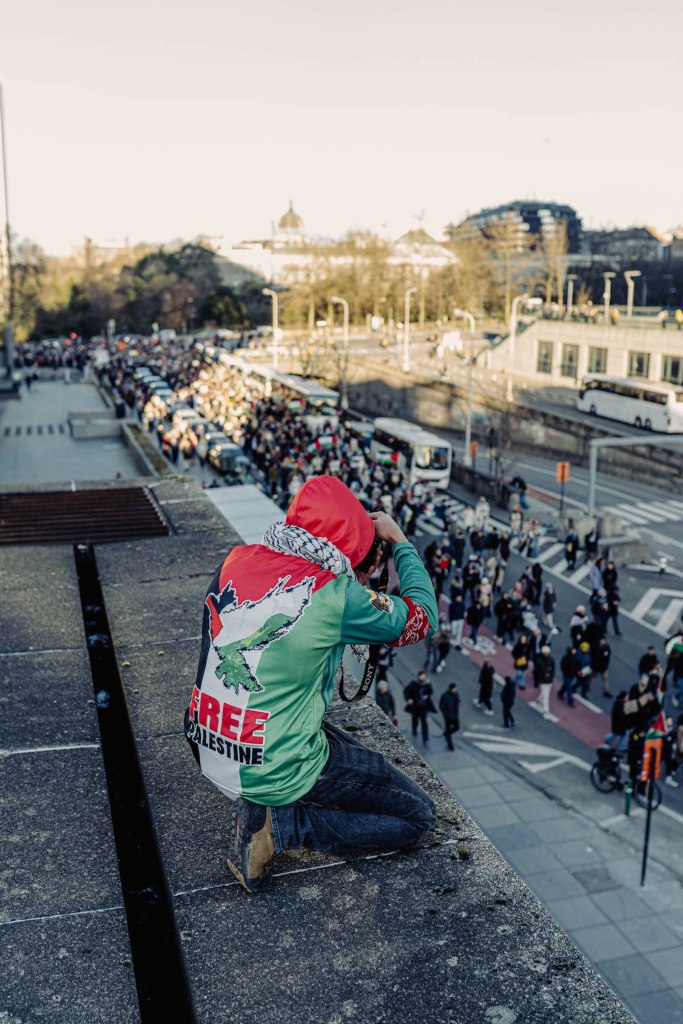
x,y
581,721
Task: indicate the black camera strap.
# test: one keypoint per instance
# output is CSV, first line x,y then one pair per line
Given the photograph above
x,y
373,654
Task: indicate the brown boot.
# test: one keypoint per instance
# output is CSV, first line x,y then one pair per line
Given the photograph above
x,y
254,846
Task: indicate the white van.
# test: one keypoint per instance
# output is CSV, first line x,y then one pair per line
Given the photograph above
x,y
183,416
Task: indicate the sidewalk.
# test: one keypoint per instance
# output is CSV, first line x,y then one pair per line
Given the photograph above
x,y
587,878
34,434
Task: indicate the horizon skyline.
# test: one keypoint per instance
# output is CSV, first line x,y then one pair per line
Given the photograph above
x,y
121,125
314,236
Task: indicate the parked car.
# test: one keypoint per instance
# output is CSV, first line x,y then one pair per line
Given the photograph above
x,y
231,462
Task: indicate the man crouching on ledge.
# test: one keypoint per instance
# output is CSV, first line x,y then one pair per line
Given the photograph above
x,y
277,617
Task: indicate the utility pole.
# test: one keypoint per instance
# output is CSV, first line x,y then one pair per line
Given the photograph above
x,y
9,323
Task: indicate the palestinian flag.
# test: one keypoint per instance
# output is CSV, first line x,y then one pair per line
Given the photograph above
x,y
658,727
322,443
387,458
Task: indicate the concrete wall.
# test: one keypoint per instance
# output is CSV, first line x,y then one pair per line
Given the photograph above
x,y
378,389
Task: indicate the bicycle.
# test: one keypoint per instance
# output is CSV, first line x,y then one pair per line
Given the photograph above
x,y
610,772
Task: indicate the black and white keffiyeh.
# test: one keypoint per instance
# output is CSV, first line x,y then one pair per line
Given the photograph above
x,y
294,540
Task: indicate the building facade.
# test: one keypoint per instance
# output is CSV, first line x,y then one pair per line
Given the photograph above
x,y
535,223
552,353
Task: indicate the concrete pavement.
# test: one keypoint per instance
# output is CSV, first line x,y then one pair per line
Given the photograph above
x,y
36,445
529,791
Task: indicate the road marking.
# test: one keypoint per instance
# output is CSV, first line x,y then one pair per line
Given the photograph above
x,y
660,538
674,815
542,766
550,552
493,743
579,574
616,819
648,599
668,513
588,704
631,517
668,617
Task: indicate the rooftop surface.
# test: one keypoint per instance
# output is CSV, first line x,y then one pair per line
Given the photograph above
x,y
448,932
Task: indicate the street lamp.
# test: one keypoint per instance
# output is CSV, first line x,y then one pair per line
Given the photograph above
x,y
607,277
570,293
273,295
345,306
406,331
630,276
467,457
527,301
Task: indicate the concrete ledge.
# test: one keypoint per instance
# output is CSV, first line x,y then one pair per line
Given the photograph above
x,y
443,933
447,932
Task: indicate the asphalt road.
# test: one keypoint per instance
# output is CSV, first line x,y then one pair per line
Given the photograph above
x,y
566,746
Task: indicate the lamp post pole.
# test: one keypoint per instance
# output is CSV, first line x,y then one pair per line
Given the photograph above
x,y
607,277
511,345
406,330
345,358
273,295
467,457
630,276
9,327
570,294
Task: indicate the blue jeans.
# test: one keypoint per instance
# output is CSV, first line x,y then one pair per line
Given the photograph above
x,y
567,689
612,736
520,676
359,800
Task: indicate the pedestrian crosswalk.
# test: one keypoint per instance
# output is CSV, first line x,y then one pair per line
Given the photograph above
x,y
26,429
658,608
640,512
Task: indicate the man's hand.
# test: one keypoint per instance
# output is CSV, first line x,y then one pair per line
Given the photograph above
x,y
386,529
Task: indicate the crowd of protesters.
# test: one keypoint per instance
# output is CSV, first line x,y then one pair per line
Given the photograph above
x,y
468,566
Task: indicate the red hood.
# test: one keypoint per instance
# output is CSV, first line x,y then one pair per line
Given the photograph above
x,y
326,508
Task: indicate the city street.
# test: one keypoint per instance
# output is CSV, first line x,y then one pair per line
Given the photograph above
x,y
528,788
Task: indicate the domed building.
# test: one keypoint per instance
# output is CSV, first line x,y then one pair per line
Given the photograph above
x,y
290,232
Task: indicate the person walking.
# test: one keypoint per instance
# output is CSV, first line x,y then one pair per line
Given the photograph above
x,y
418,696
485,689
456,613
578,624
386,701
544,674
619,722
475,617
549,602
595,575
571,547
508,696
601,654
585,674
520,659
613,604
449,706
569,667
443,644
458,548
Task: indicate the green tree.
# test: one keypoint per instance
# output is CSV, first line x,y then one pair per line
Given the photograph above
x,y
222,308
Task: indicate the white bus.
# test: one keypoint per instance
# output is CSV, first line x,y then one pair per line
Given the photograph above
x,y
652,406
316,404
420,454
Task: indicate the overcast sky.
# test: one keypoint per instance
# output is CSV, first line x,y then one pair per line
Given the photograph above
x,y
157,120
